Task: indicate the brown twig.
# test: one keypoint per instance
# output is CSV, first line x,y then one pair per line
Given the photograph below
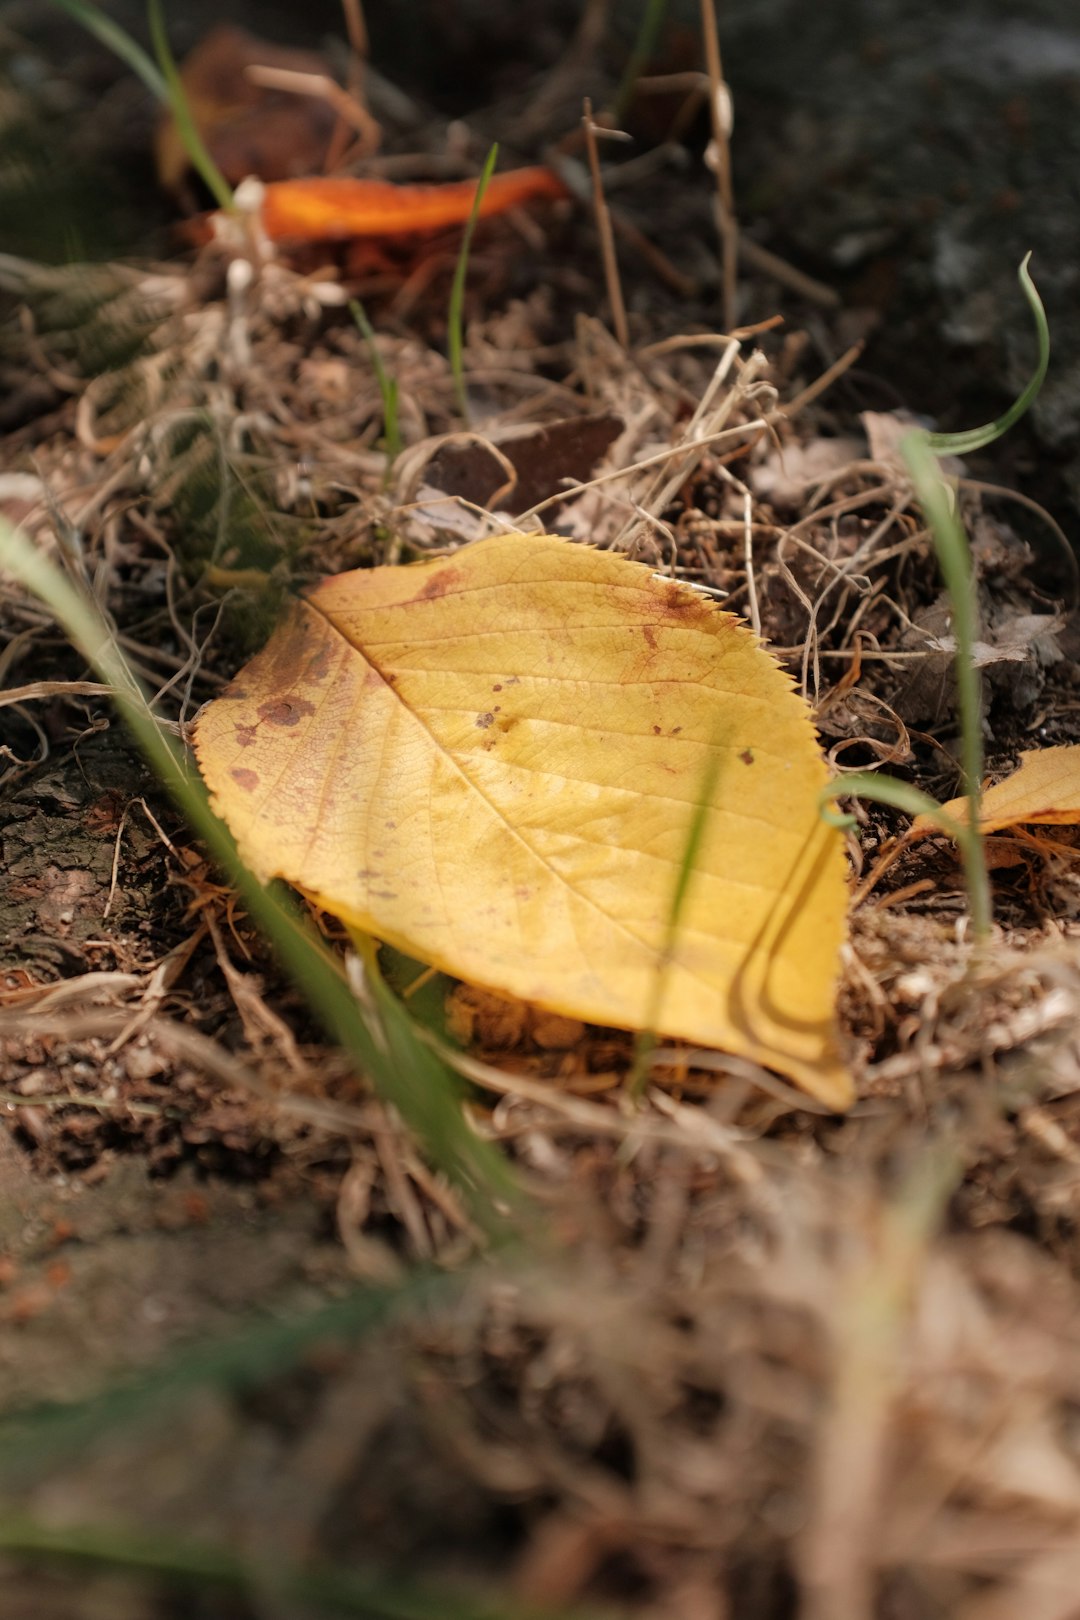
x,y
356,28
725,196
348,107
771,264
572,174
820,384
605,232
359,51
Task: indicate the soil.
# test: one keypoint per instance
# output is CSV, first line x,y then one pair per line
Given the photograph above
x,y
746,1359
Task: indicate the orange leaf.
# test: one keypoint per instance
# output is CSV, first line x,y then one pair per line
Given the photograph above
x,y
1045,788
337,210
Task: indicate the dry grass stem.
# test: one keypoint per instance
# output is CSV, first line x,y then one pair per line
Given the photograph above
x,y
349,108
356,28
748,561
720,120
579,184
788,275
815,389
723,436
604,231
755,1369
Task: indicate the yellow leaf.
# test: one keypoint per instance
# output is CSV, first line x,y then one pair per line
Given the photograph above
x,y
493,761
1044,788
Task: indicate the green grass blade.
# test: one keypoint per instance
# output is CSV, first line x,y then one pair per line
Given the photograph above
x,y
388,387
641,54
954,560
194,144
312,967
455,321
884,790
961,444
115,39
645,1044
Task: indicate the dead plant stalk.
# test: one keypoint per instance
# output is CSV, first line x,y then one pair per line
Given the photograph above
x,y
719,105
605,232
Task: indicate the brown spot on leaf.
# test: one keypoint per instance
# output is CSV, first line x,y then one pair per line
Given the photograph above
x,y
441,581
485,720
245,735
680,603
656,731
319,665
248,780
650,635
287,711
747,756
497,687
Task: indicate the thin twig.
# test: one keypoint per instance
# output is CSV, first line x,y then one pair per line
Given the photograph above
x,y
819,385
49,689
771,264
681,449
338,153
605,233
568,72
356,28
719,102
348,107
748,560
576,181
706,340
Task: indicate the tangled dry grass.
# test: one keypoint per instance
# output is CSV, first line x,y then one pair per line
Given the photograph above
x,y
763,1362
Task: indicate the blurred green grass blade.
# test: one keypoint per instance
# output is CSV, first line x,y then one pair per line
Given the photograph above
x,y
194,144
641,54
456,318
329,1590
425,1092
962,444
259,1351
313,968
163,81
115,39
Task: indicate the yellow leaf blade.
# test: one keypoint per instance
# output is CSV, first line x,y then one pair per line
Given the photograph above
x,y
493,762
1045,788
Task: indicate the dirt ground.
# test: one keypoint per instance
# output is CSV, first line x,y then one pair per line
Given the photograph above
x,y
746,1360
